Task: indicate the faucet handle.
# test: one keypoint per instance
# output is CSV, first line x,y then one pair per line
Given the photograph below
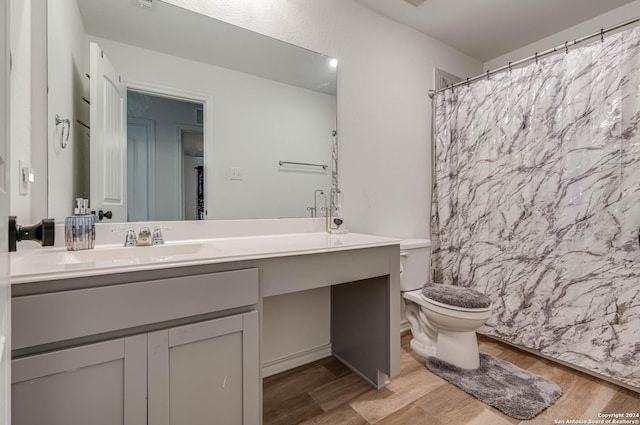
x,y
130,239
157,235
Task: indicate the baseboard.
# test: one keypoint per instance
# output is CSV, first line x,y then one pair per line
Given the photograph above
x,y
282,364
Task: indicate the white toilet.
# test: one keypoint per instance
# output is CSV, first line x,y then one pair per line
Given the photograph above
x,y
443,318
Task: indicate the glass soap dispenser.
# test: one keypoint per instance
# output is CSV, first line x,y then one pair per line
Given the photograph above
x,y
336,216
80,229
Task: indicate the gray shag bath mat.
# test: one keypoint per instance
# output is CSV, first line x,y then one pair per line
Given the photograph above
x,y
498,383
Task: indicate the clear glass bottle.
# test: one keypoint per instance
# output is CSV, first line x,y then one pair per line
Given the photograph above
x,y
336,224
80,228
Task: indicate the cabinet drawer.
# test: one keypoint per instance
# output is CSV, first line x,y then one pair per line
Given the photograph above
x,y
46,318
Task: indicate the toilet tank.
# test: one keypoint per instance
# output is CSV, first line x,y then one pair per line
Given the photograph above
x,y
415,260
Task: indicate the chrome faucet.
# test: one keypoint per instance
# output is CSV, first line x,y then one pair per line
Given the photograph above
x,y
144,237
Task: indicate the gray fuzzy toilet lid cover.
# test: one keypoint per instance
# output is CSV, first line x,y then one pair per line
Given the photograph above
x,y
454,295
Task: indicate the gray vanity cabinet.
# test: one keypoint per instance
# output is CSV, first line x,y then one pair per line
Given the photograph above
x,y
202,373
182,350
102,383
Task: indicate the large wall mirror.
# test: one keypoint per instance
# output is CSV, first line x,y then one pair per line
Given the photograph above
x,y
159,113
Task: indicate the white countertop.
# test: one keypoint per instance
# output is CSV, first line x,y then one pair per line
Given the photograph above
x,y
44,264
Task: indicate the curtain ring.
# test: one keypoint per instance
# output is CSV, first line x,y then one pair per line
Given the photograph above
x,y
566,47
488,74
602,35
536,58
510,69
467,80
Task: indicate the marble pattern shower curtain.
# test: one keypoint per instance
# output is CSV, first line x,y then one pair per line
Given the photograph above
x,y
537,202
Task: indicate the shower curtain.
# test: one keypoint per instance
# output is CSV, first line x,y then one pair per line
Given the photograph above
x,y
537,202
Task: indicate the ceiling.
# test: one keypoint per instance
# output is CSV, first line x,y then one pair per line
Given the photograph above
x,y
486,29
173,30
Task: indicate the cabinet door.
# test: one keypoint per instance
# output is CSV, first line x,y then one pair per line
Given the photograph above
x,y
103,383
205,373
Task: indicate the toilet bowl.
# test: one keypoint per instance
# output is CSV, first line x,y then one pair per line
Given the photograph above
x,y
443,318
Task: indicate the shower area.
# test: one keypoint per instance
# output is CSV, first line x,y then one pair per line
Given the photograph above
x,y
536,202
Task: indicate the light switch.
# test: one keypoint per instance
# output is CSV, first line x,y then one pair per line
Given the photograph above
x,y
27,177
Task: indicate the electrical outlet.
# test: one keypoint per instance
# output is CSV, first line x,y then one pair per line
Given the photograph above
x,y
235,173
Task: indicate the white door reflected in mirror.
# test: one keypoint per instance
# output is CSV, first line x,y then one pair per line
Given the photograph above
x,y
108,148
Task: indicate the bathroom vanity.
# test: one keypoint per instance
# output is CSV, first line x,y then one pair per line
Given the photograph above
x,y
171,334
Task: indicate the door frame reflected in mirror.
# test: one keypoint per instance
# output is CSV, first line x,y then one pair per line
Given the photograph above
x,y
207,125
181,130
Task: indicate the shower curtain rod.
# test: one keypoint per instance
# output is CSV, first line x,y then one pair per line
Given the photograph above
x,y
537,55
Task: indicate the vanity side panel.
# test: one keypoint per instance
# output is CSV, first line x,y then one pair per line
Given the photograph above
x,y
395,304
360,327
47,318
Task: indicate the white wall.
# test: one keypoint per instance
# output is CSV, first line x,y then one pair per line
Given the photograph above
x,y
20,103
38,120
296,323
384,72
256,122
67,66
28,107
5,199
616,16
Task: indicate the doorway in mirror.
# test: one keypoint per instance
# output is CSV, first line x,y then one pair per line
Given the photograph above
x,y
191,140
165,157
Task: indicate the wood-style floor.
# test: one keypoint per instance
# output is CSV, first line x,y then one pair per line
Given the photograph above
x,y
326,392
